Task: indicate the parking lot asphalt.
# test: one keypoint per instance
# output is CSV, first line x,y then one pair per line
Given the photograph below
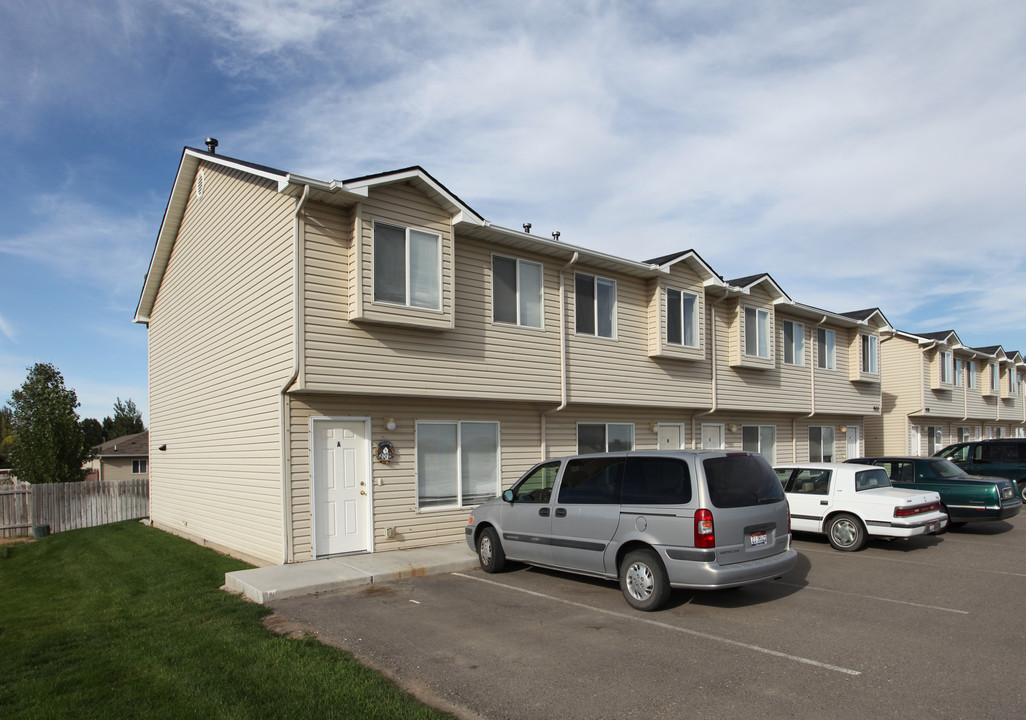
x,y
930,627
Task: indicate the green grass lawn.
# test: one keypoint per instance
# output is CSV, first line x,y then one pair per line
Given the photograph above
x,y
125,621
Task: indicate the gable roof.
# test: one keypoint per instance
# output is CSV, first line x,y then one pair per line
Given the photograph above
x,y
745,285
137,445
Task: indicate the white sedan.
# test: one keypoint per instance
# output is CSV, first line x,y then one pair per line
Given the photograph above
x,y
850,502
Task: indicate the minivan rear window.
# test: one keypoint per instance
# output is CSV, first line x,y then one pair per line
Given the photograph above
x,y
656,481
741,481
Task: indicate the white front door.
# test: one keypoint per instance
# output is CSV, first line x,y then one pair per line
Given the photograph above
x,y
712,437
671,437
342,499
853,447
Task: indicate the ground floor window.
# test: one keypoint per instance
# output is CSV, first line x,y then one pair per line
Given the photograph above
x,y
964,434
604,437
138,467
821,444
457,463
760,439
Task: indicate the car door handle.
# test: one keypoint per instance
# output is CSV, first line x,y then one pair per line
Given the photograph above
x,y
824,502
544,512
560,512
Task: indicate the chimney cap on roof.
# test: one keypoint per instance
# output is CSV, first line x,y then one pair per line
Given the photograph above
x,y
211,145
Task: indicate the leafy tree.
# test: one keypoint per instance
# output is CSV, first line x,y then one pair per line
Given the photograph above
x,y
48,443
92,433
127,420
6,436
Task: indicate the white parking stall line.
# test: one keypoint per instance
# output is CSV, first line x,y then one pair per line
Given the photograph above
x,y
870,597
863,556
668,626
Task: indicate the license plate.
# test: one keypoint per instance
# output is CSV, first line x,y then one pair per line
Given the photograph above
x,y
758,538
933,527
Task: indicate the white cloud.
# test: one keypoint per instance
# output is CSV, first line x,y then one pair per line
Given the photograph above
x,y
81,241
6,329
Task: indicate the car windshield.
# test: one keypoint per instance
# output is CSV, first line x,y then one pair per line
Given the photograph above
x,y
932,469
871,479
741,481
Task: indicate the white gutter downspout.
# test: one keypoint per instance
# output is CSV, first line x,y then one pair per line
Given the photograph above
x,y
562,356
922,396
285,407
812,396
715,375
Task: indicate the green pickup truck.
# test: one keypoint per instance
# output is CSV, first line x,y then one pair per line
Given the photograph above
x,y
966,498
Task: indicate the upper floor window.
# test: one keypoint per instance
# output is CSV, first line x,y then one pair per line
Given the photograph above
x,y
1013,382
596,305
604,437
945,367
870,354
825,341
757,339
681,318
407,267
995,376
516,292
971,371
794,343
959,371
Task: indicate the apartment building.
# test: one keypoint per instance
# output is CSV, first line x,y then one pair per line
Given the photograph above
x,y
937,391
351,366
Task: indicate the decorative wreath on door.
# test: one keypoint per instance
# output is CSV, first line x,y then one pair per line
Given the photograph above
x,y
385,452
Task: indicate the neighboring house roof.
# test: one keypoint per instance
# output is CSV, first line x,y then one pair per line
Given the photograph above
x,y
137,445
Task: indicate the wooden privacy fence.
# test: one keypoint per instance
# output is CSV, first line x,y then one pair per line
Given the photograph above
x,y
68,506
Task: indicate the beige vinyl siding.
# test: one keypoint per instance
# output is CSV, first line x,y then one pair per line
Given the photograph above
x,y
394,487
683,279
114,469
902,374
475,359
619,371
220,349
401,204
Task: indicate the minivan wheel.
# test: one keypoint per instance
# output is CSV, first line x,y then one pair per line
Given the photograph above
x,y
1022,490
489,551
846,533
643,580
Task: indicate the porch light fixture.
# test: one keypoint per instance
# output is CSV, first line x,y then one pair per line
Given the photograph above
x,y
843,428
732,428
390,424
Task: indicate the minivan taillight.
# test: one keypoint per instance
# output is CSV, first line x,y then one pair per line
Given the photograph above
x,y
705,535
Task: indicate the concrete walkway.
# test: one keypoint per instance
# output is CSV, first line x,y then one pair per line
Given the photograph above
x,y
262,585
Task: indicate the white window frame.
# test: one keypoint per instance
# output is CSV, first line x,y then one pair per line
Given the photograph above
x,y
995,378
460,480
765,441
826,349
687,320
408,269
521,297
971,371
763,344
833,443
870,352
139,467
946,367
596,282
795,345
959,372
605,430
1013,382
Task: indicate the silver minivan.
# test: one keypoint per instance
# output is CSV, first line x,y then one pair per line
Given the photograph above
x,y
653,520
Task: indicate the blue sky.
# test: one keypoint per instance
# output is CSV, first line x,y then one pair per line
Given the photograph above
x,y
864,154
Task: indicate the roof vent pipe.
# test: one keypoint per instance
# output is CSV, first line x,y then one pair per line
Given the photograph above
x,y
211,145
555,235
527,227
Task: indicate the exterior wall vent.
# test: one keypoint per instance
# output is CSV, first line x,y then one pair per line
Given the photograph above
x,y
199,185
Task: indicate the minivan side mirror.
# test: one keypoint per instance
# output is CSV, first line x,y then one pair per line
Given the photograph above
x,y
508,496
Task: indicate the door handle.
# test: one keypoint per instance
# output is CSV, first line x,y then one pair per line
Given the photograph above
x,y
823,502
544,512
560,512
363,492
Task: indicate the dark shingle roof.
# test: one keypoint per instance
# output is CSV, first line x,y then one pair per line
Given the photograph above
x,y
128,445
